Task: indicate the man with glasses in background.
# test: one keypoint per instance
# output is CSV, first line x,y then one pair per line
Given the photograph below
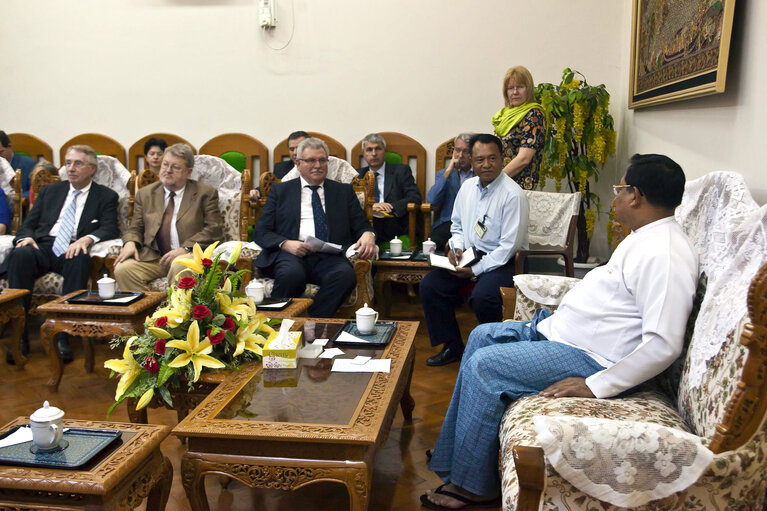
x,y
65,220
169,217
301,210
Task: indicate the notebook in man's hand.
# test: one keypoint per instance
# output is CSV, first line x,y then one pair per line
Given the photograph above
x,y
468,257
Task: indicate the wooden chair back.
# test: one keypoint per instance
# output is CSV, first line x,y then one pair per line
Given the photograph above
x,y
102,144
17,204
406,147
443,154
136,151
336,148
256,153
36,148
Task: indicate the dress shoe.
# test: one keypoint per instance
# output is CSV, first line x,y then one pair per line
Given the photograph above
x,y
448,355
62,341
24,351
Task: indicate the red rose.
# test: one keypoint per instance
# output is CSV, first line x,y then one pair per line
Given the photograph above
x,y
229,325
159,347
207,262
200,312
217,337
187,282
161,322
151,365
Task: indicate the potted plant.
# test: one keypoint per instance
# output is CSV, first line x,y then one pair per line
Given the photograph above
x,y
580,135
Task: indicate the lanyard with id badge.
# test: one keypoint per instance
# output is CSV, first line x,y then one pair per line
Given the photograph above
x,y
480,228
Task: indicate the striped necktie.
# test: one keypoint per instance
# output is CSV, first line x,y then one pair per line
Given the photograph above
x,y
66,227
320,219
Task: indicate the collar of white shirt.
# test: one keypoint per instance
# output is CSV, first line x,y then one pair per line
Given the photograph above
x,y
84,190
305,183
178,193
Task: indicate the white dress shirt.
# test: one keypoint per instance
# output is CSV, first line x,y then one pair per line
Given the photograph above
x,y
306,227
79,207
503,208
630,314
174,241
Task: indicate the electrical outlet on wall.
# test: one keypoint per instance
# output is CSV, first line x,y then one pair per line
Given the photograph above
x,y
266,14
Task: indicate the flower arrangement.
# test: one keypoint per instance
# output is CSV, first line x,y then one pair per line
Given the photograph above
x,y
579,137
206,322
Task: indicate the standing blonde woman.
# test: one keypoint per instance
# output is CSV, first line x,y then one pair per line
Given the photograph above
x,y
521,127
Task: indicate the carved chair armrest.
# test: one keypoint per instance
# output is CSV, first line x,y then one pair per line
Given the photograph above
x,y
530,467
509,300
362,271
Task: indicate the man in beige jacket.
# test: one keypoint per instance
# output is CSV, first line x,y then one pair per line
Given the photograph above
x,y
169,217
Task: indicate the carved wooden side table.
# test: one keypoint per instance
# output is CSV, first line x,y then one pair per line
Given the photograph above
x,y
120,478
323,426
11,309
403,272
89,322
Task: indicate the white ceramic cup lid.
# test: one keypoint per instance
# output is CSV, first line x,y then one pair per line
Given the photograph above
x,y
105,280
46,413
396,240
255,283
365,310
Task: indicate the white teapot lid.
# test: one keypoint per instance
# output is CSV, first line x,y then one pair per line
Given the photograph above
x,y
46,414
365,310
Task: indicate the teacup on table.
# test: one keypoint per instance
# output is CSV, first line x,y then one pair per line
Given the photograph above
x,y
395,247
255,290
47,427
366,320
106,287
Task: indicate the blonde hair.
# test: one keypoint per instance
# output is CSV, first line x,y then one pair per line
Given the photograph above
x,y
521,76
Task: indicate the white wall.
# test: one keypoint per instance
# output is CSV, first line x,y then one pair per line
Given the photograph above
x,y
198,68
725,131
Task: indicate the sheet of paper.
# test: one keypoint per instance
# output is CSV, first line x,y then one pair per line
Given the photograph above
x,y
439,261
322,246
408,256
360,359
467,257
330,353
121,300
321,342
347,365
21,435
276,305
347,337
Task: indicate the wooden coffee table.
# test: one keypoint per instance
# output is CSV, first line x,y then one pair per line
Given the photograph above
x,y
286,428
11,309
89,322
131,469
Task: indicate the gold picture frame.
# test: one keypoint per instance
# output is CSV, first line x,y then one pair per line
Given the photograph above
x,y
679,49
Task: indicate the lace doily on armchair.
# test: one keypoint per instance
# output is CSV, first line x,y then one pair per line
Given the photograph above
x,y
338,170
625,463
729,232
550,215
216,172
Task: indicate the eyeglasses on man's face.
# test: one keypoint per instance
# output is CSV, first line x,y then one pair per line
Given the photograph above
x,y
617,188
313,161
77,164
166,166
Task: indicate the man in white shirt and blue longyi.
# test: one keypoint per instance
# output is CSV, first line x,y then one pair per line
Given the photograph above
x,y
619,327
490,215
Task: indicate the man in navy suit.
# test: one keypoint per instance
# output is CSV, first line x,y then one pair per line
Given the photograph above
x,y
65,220
318,207
395,188
447,182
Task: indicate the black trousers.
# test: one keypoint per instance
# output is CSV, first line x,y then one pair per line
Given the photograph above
x,y
440,295
27,264
332,272
388,228
441,234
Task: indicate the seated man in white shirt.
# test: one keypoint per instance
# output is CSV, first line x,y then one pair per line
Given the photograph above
x,y
622,325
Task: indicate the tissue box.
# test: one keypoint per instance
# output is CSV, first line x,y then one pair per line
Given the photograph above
x,y
279,354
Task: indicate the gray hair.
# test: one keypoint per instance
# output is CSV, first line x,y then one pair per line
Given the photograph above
x,y
312,143
47,166
373,138
90,154
466,137
182,151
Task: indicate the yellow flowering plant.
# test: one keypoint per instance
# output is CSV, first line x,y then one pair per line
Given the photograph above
x,y
580,135
207,322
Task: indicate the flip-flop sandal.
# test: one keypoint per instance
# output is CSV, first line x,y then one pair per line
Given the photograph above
x,y
468,503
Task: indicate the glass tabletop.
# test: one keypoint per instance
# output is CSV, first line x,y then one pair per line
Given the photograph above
x,y
308,394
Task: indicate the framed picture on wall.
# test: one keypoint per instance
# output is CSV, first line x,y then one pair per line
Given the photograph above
x,y
679,49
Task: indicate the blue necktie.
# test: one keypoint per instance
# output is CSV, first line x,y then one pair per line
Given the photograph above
x,y
320,219
377,193
66,227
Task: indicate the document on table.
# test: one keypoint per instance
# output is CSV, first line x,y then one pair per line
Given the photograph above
x,y
350,365
123,299
21,435
348,338
468,257
322,246
275,305
330,353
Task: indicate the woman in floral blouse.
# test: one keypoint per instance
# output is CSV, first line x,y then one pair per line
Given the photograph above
x,y
521,127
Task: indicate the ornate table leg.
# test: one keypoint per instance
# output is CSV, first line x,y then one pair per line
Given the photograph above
x,y
407,403
18,319
193,478
47,335
88,349
358,487
158,496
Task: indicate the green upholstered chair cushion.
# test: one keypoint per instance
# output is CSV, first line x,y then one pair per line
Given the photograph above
x,y
235,158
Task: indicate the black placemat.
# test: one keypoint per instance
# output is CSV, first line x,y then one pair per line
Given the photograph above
x,y
84,444
93,298
380,337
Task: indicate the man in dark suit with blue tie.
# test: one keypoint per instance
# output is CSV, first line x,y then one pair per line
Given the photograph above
x,y
395,188
65,220
318,207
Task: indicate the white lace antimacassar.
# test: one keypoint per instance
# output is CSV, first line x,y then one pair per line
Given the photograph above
x,y
729,232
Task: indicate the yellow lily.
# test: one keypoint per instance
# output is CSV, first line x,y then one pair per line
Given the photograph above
x,y
196,352
235,253
178,309
145,399
195,264
127,366
241,308
248,339
160,333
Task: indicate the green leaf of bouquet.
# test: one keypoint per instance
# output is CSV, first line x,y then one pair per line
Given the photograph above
x,y
218,319
165,393
274,322
231,339
165,372
114,405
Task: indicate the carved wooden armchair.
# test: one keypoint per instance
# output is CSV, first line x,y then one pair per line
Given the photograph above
x,y
102,144
697,433
136,150
363,292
